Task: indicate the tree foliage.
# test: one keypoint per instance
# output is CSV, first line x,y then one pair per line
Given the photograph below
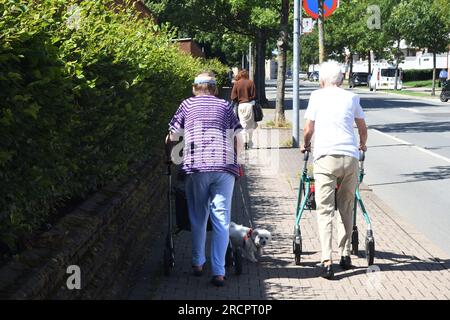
x,y
79,104
227,26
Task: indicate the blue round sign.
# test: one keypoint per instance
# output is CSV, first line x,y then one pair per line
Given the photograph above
x,y
312,7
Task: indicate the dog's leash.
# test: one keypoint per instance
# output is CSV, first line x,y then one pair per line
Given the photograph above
x,y
245,207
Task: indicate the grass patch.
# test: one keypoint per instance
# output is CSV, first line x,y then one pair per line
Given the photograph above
x,y
409,93
271,124
419,83
287,143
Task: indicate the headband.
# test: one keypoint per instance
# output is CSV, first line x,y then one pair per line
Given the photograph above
x,y
204,79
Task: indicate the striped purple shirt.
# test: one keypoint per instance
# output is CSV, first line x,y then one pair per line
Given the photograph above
x,y
208,126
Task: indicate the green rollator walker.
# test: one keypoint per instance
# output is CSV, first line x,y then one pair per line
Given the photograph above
x,y
305,201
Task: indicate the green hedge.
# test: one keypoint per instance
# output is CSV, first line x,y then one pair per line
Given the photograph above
x,y
83,95
416,75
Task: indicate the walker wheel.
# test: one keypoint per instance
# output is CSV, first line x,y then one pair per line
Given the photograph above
x,y
298,252
355,241
370,250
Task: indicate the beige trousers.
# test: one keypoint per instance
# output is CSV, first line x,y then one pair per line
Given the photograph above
x,y
247,120
329,171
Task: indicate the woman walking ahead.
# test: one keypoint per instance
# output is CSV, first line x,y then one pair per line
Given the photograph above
x,y
208,126
244,93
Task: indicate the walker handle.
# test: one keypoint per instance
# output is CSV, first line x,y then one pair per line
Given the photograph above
x,y
362,156
306,156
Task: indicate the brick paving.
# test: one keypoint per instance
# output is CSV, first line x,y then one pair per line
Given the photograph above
x,y
407,265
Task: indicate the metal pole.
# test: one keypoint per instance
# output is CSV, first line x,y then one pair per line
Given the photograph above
x,y
296,83
320,22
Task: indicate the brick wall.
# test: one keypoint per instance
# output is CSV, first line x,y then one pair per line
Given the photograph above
x,y
104,236
190,47
144,11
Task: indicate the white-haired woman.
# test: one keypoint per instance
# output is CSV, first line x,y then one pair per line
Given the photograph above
x,y
330,115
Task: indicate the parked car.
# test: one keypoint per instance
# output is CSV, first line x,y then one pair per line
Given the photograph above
x,y
314,76
303,75
384,78
445,94
358,79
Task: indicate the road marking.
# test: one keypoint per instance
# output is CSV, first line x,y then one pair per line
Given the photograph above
x,y
411,110
414,146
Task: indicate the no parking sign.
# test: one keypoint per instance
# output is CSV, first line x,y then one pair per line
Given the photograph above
x,y
312,7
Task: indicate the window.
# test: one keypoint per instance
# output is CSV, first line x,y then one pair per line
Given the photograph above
x,y
388,73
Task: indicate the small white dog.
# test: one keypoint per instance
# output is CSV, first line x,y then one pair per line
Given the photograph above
x,y
251,241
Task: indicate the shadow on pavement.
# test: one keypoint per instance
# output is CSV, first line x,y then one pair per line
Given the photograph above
x,y
383,103
399,262
271,268
414,127
438,173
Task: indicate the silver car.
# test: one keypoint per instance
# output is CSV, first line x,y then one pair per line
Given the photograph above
x,y
303,75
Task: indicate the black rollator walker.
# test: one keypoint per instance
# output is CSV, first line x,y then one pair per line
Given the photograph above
x,y
305,201
176,194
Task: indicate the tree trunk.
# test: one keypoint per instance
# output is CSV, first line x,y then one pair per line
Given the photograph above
x,y
397,58
370,62
396,75
321,32
280,118
351,65
433,90
260,70
252,62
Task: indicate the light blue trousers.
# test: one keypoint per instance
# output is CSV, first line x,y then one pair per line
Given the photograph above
x,y
210,194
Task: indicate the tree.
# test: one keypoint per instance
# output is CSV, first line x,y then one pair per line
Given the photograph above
x,y
345,31
395,29
309,44
351,31
211,20
427,28
282,44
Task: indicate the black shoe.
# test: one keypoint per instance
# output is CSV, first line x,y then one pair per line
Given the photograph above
x,y
217,282
197,271
346,263
246,146
327,272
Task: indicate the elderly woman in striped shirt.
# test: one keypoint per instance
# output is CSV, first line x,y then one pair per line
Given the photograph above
x,y
210,131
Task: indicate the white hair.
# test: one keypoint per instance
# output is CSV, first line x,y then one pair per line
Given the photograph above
x,y
330,73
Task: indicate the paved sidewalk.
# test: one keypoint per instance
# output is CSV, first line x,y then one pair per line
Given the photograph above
x,y
407,265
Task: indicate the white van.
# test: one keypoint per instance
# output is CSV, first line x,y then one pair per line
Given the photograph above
x,y
384,78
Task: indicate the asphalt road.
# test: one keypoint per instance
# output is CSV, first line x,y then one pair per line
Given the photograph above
x,y
408,158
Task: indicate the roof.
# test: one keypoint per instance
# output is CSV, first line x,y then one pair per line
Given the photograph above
x,y
140,6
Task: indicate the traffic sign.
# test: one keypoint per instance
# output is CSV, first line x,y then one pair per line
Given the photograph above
x,y
307,25
312,7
